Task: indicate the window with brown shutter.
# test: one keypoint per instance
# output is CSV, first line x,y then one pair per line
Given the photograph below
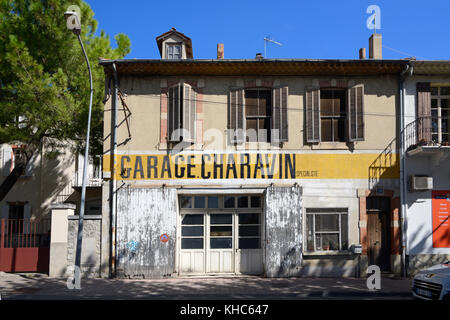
x,y
181,113
258,114
312,114
279,113
424,123
236,116
355,113
332,115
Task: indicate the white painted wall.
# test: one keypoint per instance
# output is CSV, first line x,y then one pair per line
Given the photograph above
x,y
419,205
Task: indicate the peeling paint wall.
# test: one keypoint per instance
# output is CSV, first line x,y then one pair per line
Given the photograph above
x,y
283,231
143,215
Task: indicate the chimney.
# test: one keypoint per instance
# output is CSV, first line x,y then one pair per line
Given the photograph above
x,y
220,53
362,53
375,49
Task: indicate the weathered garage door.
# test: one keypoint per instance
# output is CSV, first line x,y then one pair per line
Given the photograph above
x,y
146,231
283,231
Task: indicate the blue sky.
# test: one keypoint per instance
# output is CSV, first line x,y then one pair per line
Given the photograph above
x,y
314,29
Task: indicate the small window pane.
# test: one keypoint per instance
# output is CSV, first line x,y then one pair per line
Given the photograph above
x,y
339,130
434,91
445,103
249,243
326,130
190,219
327,222
221,219
192,243
249,218
243,202
221,231
445,91
251,103
213,202
434,103
255,202
252,130
191,231
228,202
264,101
264,130
221,243
248,231
186,202
199,202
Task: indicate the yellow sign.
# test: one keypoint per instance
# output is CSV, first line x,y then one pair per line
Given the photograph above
x,y
208,166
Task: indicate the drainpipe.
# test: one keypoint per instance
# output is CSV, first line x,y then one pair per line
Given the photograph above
x,y
408,72
113,182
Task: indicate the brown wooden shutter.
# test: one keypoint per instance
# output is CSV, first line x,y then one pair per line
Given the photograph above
x,y
174,114
279,114
189,111
355,113
236,124
423,112
312,114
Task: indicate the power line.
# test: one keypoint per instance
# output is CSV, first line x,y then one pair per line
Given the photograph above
x,y
206,102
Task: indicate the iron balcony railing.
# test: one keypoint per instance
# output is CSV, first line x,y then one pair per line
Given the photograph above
x,y
427,131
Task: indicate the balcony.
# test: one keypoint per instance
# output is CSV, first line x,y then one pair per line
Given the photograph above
x,y
94,172
428,135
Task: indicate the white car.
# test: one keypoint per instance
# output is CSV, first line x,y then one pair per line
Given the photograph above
x,y
433,283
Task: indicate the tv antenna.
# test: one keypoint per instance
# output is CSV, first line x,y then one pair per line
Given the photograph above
x,y
267,39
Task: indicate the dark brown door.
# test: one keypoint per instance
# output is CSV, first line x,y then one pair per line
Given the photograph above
x,y
378,239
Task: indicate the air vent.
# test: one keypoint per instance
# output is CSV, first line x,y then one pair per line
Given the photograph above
x,y
419,183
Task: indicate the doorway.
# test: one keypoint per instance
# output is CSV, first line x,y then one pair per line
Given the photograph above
x,y
223,239
378,232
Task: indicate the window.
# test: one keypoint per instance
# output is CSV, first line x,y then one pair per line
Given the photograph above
x,y
221,231
258,115
249,231
12,156
173,51
440,114
16,216
181,113
334,115
326,229
192,226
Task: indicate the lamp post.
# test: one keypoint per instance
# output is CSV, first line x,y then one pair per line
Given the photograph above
x,y
74,24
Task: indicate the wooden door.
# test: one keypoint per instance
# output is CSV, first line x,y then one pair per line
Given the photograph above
x,y
378,239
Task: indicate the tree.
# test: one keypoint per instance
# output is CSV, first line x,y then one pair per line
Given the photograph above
x,y
44,84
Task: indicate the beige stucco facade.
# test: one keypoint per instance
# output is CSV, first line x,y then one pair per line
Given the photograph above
x,y
346,173
48,180
144,98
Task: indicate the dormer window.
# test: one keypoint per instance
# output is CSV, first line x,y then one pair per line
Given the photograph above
x,y
174,51
173,45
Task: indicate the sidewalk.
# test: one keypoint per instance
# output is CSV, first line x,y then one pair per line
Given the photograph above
x,y
35,286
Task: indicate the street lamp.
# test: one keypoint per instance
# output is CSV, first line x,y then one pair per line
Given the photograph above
x,y
74,24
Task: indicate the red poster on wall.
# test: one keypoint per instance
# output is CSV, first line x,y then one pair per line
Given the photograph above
x,y
441,219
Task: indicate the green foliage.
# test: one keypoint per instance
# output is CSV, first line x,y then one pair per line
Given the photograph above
x,y
44,80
